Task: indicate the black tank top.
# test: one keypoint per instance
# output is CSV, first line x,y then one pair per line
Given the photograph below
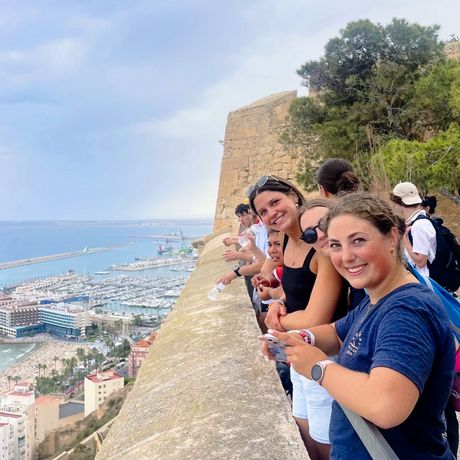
x,y
298,283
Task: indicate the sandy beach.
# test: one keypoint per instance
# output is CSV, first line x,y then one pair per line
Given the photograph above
x,y
43,353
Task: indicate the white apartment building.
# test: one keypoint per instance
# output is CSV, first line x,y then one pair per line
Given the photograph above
x,y
17,447
6,441
15,412
98,387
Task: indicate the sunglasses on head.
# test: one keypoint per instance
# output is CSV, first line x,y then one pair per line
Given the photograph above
x,y
310,235
261,181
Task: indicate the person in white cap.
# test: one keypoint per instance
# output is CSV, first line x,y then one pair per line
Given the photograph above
x,y
420,238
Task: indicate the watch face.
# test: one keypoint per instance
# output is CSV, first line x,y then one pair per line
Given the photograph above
x,y
316,372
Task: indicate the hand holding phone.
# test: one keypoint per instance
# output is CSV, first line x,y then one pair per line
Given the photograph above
x,y
276,347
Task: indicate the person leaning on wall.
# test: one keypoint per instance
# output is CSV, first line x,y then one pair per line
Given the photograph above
x,y
395,350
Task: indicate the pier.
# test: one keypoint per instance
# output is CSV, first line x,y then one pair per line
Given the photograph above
x,y
38,260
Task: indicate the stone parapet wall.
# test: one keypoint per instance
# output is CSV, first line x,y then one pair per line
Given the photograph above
x,y
251,149
205,391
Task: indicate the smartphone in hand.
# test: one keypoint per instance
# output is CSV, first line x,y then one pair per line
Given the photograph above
x,y
276,347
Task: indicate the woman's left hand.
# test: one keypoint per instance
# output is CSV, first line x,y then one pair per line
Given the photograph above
x,y
301,355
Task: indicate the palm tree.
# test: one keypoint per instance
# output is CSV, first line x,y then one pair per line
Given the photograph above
x,y
9,381
81,353
63,365
55,359
44,366
40,367
16,379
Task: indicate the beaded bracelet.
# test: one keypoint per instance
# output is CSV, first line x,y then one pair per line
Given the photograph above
x,y
307,336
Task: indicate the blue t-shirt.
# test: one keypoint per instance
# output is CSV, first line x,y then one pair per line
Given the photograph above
x,y
407,330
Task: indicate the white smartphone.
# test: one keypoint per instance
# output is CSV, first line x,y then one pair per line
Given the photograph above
x,y
276,347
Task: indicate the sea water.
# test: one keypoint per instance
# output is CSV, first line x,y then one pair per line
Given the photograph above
x,y
125,241
10,353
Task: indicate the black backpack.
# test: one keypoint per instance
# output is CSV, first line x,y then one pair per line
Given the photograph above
x,y
445,268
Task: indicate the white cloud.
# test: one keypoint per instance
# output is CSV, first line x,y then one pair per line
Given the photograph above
x,y
48,61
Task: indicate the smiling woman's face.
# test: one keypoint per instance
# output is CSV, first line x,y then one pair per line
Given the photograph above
x,y
360,253
274,248
310,219
277,210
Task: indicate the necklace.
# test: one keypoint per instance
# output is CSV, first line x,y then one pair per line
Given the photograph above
x,y
296,254
368,311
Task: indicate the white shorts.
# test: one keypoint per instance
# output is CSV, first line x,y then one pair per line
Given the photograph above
x,y
311,402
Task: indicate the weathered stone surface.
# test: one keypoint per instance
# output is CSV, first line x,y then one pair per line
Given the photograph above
x,y
205,391
251,149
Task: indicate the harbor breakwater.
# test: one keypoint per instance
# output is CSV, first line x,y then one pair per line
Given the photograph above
x,y
37,260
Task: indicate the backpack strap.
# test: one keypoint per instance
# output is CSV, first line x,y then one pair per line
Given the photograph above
x,y
419,217
427,282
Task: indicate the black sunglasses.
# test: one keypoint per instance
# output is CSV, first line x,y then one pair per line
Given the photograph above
x,y
310,235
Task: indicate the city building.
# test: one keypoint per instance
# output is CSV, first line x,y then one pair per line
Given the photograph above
x,y
98,387
6,441
139,351
64,320
16,314
21,396
18,446
46,416
15,410
51,412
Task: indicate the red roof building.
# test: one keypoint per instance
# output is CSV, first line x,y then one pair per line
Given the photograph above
x,y
139,351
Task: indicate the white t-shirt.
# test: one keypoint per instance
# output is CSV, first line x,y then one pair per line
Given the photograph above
x,y
261,234
423,240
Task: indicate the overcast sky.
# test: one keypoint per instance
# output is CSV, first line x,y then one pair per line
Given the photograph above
x,y
114,109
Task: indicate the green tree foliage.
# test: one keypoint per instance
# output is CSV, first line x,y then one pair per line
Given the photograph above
x,y
122,350
370,89
137,320
434,164
436,99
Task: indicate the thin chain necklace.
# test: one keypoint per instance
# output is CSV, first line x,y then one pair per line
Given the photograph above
x,y
368,311
297,256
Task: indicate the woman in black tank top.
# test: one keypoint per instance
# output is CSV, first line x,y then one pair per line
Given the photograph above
x,y
278,204
297,282
313,288
326,298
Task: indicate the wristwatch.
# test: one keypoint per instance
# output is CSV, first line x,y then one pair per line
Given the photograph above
x,y
317,370
237,271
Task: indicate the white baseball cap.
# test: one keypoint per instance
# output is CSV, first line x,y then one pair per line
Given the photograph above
x,y
408,193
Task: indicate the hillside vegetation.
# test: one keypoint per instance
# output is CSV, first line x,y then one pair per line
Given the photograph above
x,y
387,99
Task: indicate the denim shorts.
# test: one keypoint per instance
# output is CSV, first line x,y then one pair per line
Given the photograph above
x,y
311,402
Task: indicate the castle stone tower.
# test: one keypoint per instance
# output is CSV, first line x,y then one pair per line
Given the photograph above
x,y
251,149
